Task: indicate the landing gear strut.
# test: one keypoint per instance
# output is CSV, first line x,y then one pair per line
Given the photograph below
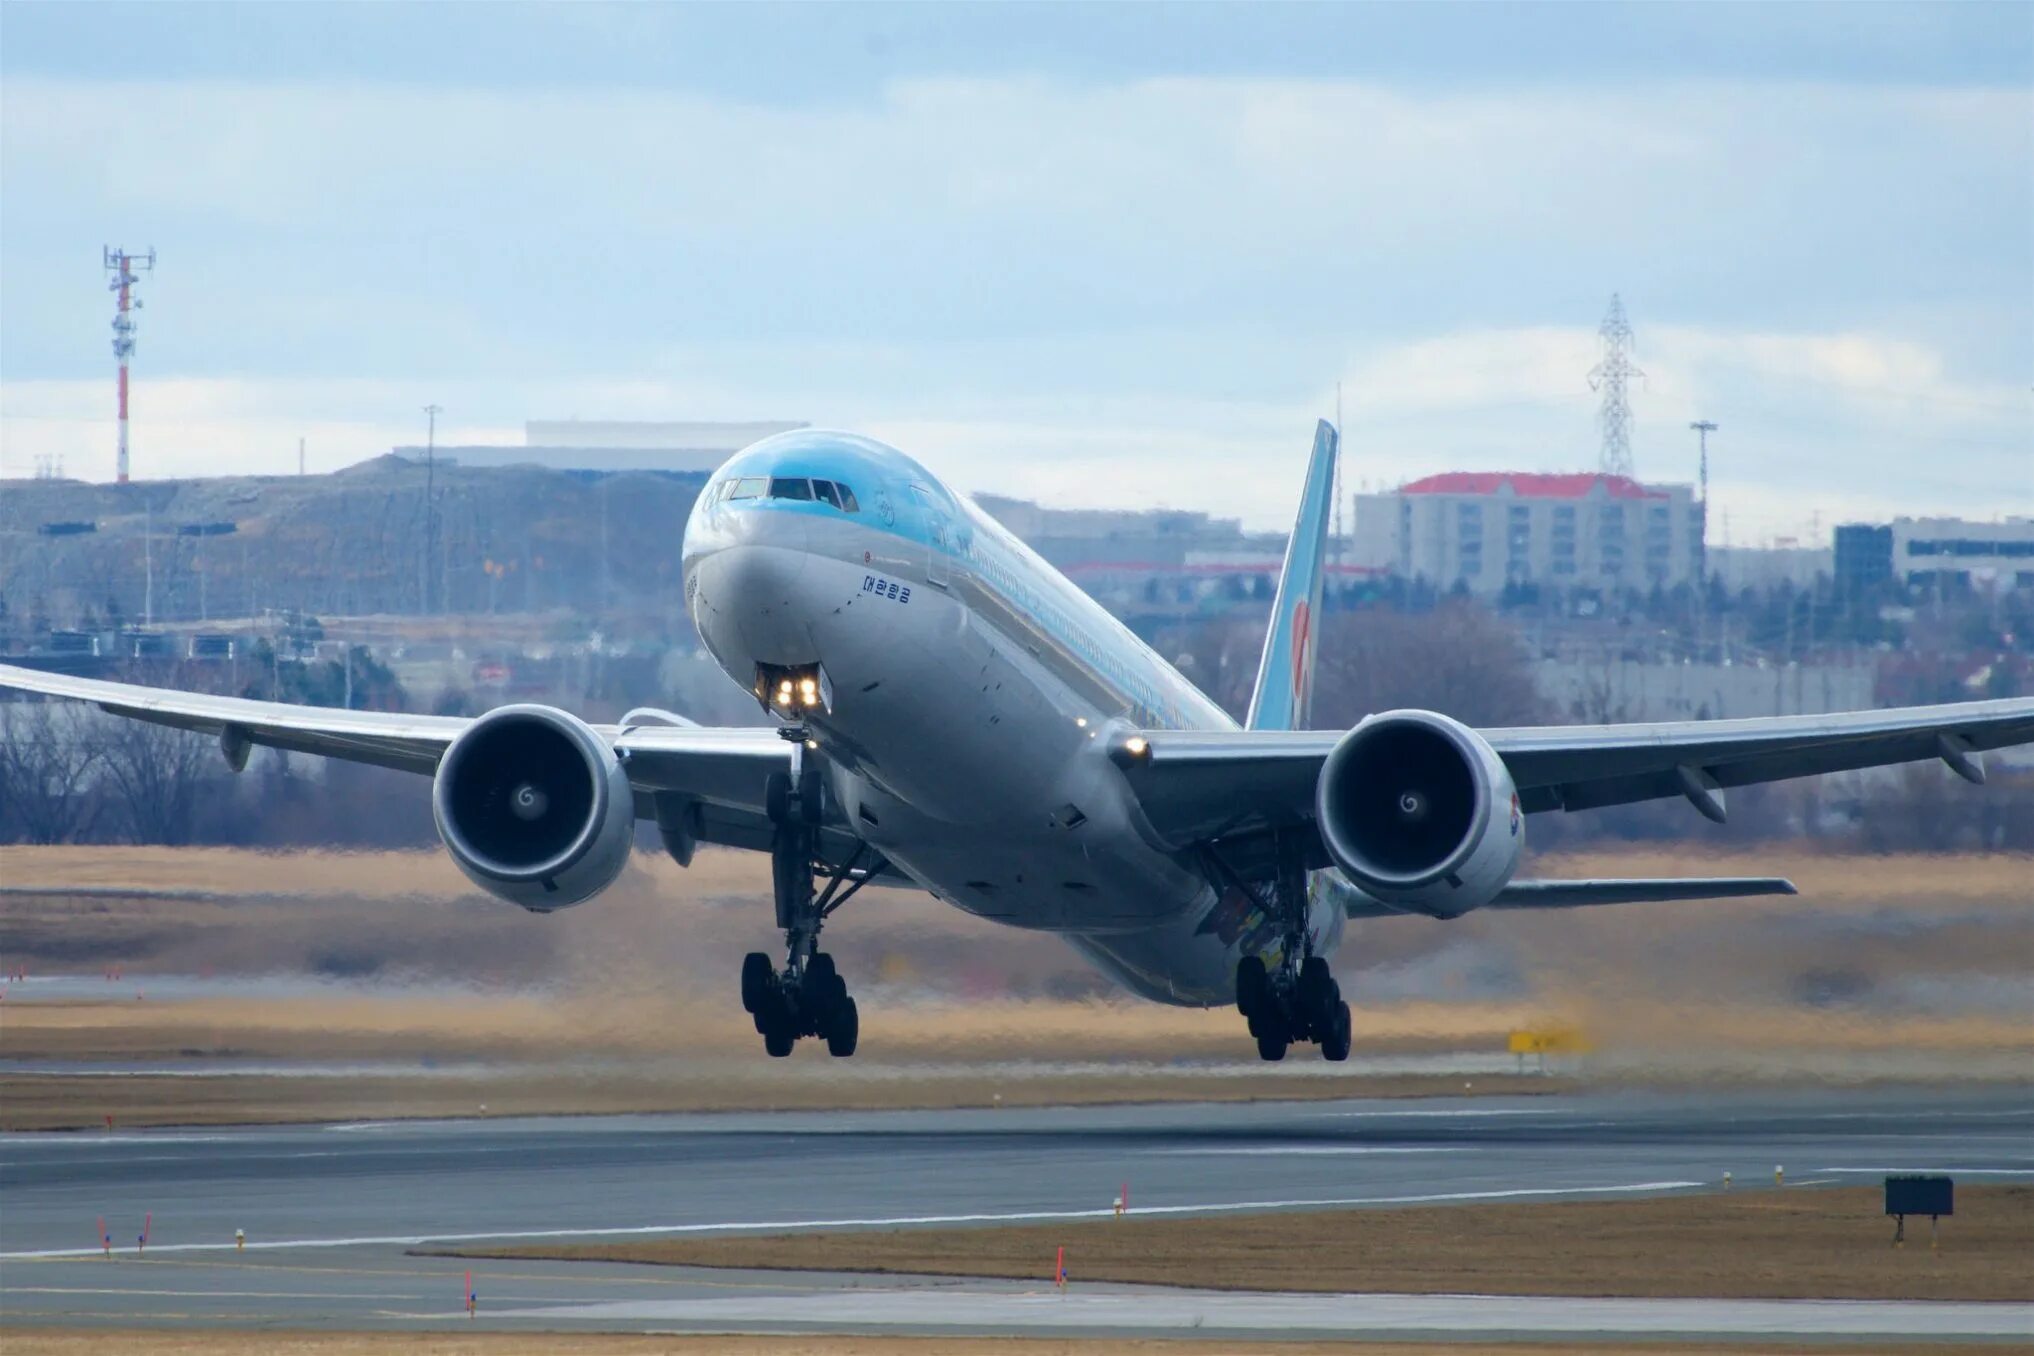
x,y
807,997
1298,1000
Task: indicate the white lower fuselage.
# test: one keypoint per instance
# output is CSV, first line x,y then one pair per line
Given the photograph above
x,y
973,693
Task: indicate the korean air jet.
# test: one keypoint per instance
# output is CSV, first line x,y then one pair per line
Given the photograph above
x,y
949,713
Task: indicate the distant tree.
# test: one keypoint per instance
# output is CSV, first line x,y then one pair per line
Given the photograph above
x,y
49,753
1459,659
156,775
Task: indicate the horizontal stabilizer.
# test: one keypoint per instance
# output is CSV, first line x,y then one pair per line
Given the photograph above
x,y
1573,894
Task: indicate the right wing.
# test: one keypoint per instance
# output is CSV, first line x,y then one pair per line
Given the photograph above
x,y
726,766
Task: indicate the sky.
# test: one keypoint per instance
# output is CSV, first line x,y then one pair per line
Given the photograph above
x,y
1091,255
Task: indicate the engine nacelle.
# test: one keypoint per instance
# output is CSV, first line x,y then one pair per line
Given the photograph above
x,y
1420,812
534,807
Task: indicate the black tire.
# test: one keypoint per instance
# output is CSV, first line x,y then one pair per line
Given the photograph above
x,y
844,1030
1335,1046
1251,982
777,798
820,972
1317,987
1272,1046
778,1040
756,977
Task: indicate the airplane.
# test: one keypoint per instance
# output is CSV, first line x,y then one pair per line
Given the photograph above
x,y
949,713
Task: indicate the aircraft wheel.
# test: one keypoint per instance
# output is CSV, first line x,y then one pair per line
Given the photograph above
x,y
1317,986
1250,985
844,1029
1336,1044
756,976
778,1035
1272,1046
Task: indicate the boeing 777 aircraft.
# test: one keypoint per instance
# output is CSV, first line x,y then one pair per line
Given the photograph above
x,y
952,714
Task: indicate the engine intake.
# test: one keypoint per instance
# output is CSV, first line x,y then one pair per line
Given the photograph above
x,y
534,807
1419,811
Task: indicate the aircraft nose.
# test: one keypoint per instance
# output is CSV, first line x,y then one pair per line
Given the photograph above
x,y
755,588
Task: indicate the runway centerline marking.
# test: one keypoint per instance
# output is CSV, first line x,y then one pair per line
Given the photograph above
x,y
884,1222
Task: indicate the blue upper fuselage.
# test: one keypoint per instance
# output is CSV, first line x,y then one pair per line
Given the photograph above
x,y
821,492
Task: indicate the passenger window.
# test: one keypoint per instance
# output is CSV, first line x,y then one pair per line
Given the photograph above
x,y
847,499
748,487
790,487
823,491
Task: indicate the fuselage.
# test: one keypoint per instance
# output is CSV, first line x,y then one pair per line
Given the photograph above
x,y
973,692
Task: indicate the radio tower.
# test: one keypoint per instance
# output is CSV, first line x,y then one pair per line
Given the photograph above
x,y
122,266
1610,376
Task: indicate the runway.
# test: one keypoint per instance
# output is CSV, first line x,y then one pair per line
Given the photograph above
x,y
328,1211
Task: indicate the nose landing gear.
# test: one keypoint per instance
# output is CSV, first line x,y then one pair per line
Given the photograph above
x,y
807,997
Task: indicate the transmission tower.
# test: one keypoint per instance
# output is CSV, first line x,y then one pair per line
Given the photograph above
x,y
1611,375
122,266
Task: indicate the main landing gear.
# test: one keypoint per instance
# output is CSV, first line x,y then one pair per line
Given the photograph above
x,y
807,997
1298,1000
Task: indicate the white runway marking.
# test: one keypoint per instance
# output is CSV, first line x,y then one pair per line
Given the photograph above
x,y
1210,1312
1968,1172
1247,1151
889,1222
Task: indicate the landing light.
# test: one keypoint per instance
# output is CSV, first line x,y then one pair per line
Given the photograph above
x,y
1136,746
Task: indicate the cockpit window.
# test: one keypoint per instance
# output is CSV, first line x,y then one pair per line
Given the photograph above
x,y
824,491
847,499
748,487
790,487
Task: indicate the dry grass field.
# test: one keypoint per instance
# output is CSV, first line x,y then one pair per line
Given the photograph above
x,y
1799,1243
1897,966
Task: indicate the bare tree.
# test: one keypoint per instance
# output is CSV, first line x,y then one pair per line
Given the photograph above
x,y
1459,659
156,775
49,752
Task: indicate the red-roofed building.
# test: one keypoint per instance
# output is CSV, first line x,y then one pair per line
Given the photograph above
x,y
1490,528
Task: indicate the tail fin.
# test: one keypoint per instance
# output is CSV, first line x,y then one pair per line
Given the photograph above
x,y
1285,676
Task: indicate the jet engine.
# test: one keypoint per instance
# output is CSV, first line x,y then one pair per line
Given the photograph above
x,y
1420,812
534,807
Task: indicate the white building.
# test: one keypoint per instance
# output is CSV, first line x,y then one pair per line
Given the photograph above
x,y
1488,529
614,445
1928,551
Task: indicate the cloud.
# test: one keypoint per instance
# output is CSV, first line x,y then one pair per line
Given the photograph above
x,y
1084,291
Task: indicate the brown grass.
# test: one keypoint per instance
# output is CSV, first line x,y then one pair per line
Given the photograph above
x,y
1802,1243
204,1341
638,986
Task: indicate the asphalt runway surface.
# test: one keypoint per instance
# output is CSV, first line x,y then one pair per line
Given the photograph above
x,y
329,1211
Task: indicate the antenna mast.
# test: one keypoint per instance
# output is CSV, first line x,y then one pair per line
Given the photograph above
x,y
122,266
1703,428
1610,376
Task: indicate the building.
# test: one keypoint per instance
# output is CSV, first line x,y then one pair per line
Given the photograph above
x,y
692,448
1933,552
1863,556
1489,529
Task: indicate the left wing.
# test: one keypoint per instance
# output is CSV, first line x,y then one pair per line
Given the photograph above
x,y
723,767
1195,785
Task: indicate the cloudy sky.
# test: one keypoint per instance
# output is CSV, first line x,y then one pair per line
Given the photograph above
x,y
1087,255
